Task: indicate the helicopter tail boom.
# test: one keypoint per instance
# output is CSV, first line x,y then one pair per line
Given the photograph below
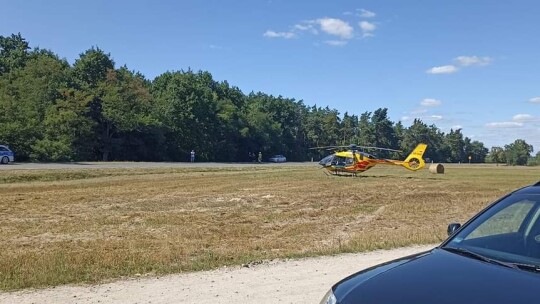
x,y
415,161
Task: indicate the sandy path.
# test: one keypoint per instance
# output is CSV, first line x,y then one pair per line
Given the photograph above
x,y
291,281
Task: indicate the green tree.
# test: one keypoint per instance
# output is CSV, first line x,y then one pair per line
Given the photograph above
x,y
125,107
383,128
313,126
91,69
13,53
187,104
262,119
66,128
455,143
518,152
419,132
497,155
475,150
348,129
25,95
366,132
399,130
230,103
535,161
88,75
321,127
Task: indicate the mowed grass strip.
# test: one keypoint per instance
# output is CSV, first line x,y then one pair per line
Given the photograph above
x,y
107,224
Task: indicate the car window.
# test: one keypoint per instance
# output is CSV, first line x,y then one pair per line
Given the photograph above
x,y
3,149
508,231
507,220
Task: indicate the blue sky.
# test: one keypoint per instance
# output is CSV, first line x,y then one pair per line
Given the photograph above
x,y
457,64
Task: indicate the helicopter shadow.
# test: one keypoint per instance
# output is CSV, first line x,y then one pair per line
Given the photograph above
x,y
330,175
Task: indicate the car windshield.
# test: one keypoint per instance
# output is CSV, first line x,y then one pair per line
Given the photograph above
x,y
508,232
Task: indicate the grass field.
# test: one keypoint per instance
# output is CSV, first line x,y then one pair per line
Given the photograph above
x,y
67,226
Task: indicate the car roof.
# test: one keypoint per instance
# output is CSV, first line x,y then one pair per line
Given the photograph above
x,y
532,189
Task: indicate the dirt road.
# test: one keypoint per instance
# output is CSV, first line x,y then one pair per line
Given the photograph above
x,y
291,281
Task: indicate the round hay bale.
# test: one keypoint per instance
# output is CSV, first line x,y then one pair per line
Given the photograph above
x,y
436,168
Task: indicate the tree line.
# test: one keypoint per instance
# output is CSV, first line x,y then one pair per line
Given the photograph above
x,y
92,110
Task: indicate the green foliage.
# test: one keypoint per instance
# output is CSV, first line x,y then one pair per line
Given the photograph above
x,y
66,129
52,111
419,132
475,150
496,155
13,53
91,68
188,109
25,95
518,152
534,161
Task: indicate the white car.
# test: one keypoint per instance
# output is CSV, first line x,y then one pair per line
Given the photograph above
x,y
277,159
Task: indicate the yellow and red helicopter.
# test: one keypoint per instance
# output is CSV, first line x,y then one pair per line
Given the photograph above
x,y
354,160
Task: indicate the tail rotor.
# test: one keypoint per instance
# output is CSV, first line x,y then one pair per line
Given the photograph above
x,y
415,161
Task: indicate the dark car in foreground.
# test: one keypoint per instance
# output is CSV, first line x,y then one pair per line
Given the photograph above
x,y
493,258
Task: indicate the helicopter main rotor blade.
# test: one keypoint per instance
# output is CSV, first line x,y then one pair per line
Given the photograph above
x,y
356,147
327,147
377,148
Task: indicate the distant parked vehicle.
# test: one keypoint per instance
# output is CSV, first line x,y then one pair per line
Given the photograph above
x,y
6,155
277,159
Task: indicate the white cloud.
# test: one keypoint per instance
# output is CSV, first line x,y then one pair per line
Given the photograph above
x,y
522,117
336,27
457,127
422,117
462,61
433,117
285,35
419,111
430,102
367,28
306,26
534,100
504,125
473,60
336,42
302,27
366,14
339,28
445,69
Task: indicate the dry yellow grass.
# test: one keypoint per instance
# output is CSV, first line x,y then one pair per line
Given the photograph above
x,y
68,226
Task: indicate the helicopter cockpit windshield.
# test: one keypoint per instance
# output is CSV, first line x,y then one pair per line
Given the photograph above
x,y
327,161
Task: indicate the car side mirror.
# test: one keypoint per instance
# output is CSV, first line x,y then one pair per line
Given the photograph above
x,y
452,228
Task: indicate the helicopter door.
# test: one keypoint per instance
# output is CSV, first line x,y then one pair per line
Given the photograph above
x,y
340,161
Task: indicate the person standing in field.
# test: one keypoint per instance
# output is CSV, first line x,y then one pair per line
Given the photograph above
x,y
192,156
260,157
